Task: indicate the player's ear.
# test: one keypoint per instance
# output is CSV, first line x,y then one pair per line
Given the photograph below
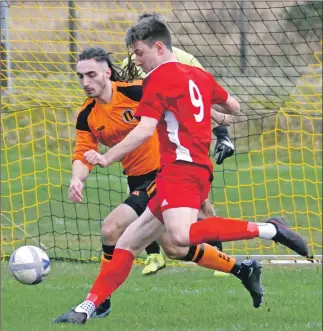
x,y
108,73
159,47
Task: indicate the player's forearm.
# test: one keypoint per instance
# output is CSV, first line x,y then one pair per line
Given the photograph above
x,y
80,170
133,140
230,106
216,116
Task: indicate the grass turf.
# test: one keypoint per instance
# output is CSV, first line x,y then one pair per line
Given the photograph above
x,y
177,298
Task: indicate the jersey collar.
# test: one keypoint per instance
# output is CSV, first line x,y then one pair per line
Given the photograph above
x,y
172,61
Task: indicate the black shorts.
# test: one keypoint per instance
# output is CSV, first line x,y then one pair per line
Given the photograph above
x,y
142,189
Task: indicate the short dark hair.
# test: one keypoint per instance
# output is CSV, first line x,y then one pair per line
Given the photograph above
x,y
96,53
100,55
149,29
156,16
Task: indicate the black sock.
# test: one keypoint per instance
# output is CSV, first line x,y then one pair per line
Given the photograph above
x,y
239,271
153,248
108,251
191,253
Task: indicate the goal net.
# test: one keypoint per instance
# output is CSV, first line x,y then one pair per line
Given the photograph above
x,y
267,54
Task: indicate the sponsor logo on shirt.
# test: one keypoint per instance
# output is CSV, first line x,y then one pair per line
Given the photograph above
x,y
128,116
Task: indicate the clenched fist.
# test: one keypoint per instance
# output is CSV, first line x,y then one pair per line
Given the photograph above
x,y
95,158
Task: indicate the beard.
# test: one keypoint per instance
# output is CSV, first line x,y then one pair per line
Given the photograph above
x,y
95,93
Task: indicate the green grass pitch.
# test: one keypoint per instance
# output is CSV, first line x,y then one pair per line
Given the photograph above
x,y
178,298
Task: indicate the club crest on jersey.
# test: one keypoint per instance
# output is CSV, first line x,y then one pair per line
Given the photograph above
x,y
128,116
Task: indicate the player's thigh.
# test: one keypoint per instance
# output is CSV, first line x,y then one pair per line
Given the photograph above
x,y
141,233
138,199
133,206
178,222
119,219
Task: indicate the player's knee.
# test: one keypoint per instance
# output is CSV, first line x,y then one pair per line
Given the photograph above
x,y
111,231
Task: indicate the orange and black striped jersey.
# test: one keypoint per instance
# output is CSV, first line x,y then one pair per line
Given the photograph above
x,y
110,123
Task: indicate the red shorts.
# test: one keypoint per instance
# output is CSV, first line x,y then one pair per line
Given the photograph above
x,y
180,184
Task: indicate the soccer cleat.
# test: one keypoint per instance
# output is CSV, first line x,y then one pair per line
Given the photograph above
x,y
287,237
71,317
249,274
224,147
103,310
154,262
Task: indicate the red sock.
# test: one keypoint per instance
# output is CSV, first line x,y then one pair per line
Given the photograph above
x,y
221,229
111,276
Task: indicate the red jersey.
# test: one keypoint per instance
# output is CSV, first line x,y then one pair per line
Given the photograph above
x,y
180,98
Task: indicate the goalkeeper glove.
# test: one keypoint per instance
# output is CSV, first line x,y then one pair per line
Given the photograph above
x,y
224,147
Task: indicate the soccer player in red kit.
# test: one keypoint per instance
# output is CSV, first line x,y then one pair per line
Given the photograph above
x,y
176,100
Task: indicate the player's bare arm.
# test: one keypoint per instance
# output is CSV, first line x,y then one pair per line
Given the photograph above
x,y
139,135
221,118
231,106
80,170
79,173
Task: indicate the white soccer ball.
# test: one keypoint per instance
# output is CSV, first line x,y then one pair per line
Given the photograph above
x,y
29,265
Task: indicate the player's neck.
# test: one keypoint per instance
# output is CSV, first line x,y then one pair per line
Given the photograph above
x,y
106,96
169,57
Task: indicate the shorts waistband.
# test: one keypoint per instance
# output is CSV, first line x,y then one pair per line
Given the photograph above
x,y
135,181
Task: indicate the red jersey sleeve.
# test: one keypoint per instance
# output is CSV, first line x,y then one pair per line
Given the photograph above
x,y
219,94
151,103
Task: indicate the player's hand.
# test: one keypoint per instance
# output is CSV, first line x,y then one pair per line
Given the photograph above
x,y
227,120
75,190
224,147
95,158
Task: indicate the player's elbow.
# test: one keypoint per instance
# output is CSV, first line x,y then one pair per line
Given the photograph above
x,y
232,106
236,108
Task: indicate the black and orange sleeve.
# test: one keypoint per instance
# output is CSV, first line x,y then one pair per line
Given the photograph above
x,y
132,91
85,140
